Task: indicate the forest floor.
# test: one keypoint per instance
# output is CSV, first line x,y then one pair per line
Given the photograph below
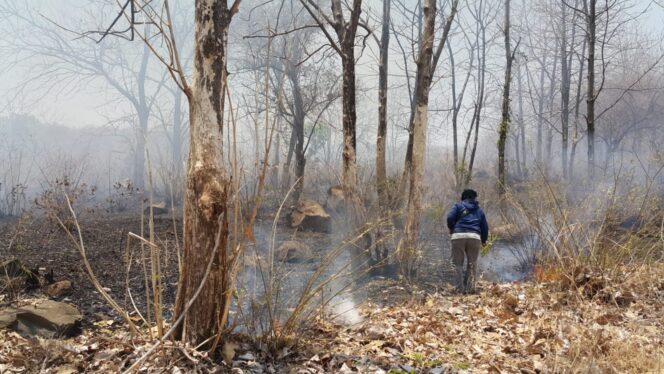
x,y
593,324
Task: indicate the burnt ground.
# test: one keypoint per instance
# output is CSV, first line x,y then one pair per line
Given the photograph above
x,y
40,243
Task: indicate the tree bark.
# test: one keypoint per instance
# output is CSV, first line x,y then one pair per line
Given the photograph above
x,y
353,205
413,105
564,91
207,184
381,167
591,35
176,150
503,130
143,112
419,133
298,129
481,40
577,106
522,127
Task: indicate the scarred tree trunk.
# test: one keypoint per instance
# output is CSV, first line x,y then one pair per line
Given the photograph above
x,y
207,182
419,133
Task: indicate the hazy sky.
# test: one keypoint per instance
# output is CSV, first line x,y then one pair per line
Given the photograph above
x,y
89,105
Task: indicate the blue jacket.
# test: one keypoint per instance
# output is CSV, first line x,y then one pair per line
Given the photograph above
x,y
467,216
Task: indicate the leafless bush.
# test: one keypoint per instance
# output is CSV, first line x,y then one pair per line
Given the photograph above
x,y
123,197
597,232
53,200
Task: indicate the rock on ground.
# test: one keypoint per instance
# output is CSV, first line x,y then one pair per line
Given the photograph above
x,y
49,319
310,215
294,252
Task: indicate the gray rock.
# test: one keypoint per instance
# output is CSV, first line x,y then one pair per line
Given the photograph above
x,y
49,319
246,357
294,252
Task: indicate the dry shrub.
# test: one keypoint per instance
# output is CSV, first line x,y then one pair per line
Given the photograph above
x,y
588,236
53,199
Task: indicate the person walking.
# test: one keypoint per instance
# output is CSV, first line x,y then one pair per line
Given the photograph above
x,y
469,230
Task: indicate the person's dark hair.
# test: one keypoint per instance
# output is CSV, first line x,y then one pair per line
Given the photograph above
x,y
469,194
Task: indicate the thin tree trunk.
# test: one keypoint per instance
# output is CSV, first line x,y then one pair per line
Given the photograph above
x,y
591,35
522,127
517,153
143,111
457,101
503,130
565,72
480,39
298,129
381,167
540,112
141,137
577,106
285,173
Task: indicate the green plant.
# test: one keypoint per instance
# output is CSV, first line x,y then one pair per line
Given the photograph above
x,y
486,247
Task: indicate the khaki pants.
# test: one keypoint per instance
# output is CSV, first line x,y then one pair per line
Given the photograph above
x,y
468,249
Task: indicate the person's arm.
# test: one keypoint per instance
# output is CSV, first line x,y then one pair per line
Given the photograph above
x,y
484,228
452,218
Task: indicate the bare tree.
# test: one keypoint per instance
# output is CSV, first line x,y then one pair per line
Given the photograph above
x,y
344,44
208,182
418,126
505,118
74,61
446,27
381,165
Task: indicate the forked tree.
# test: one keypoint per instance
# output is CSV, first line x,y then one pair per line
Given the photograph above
x,y
418,135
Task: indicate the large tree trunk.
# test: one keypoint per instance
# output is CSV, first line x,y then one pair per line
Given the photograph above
x,y
207,183
419,133
381,167
176,149
505,118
